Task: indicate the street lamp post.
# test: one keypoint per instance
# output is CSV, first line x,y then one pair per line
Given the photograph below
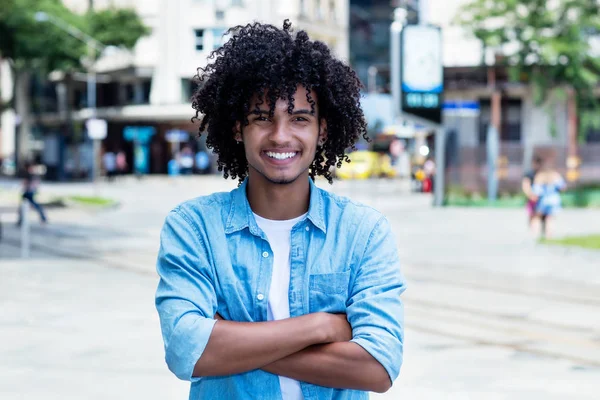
x,y
92,45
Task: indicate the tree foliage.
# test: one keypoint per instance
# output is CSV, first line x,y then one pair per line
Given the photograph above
x,y
549,42
116,27
33,44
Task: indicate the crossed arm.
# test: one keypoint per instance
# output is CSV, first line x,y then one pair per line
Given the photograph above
x,y
313,348
361,350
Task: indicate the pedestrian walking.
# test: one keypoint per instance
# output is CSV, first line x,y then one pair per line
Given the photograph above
x,y
31,183
526,186
279,289
547,185
186,161
121,161
109,161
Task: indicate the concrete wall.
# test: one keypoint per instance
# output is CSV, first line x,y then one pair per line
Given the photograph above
x,y
8,117
545,124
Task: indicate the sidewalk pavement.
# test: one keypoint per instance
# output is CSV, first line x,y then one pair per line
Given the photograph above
x,y
487,240
484,307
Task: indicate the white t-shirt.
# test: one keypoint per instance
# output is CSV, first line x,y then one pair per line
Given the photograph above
x,y
279,236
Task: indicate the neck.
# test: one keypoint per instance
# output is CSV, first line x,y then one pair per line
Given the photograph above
x,y
278,201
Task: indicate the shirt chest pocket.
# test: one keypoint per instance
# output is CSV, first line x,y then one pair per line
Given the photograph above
x,y
328,292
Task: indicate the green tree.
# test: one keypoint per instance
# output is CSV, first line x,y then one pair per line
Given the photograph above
x,y
116,27
33,46
546,42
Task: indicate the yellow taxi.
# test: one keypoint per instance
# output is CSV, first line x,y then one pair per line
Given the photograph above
x,y
366,164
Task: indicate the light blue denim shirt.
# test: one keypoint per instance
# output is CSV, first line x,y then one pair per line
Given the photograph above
x,y
214,258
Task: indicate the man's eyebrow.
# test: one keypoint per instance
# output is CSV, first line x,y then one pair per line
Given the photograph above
x,y
296,112
259,112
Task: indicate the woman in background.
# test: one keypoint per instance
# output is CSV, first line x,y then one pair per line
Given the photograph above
x,y
547,186
526,185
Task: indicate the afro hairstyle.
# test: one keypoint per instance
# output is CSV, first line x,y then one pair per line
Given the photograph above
x,y
262,59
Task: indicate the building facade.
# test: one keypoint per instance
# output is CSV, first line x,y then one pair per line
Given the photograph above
x,y
149,89
470,81
525,128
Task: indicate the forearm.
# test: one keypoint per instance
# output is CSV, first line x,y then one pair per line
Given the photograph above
x,y
344,365
237,347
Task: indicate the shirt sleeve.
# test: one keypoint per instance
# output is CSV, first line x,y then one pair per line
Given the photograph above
x,y
374,309
185,297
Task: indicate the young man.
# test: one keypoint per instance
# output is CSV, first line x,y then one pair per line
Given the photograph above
x,y
279,290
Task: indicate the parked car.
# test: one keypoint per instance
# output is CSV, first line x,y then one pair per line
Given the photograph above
x,y
366,164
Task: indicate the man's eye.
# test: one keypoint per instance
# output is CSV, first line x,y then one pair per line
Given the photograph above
x,y
301,119
261,119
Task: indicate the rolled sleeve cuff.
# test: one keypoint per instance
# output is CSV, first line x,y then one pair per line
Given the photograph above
x,y
187,343
384,353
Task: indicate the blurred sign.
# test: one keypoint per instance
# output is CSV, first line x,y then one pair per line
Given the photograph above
x,y
141,158
177,136
461,108
422,73
139,134
96,128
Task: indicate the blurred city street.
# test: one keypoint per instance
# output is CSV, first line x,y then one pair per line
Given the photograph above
x,y
490,313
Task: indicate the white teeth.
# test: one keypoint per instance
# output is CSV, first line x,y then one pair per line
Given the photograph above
x,y
280,156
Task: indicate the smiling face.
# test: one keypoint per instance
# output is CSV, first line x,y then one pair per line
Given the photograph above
x,y
280,148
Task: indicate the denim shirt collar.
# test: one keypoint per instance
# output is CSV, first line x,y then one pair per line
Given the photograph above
x,y
240,213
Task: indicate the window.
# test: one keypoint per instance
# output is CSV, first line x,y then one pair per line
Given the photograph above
x,y
318,9
199,35
303,12
593,135
332,10
510,120
146,88
590,124
129,93
219,15
188,88
218,38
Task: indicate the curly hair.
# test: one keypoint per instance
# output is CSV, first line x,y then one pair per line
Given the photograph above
x,y
261,58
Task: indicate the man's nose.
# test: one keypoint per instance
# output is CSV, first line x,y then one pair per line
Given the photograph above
x,y
280,133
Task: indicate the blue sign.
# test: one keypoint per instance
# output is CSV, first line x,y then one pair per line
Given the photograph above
x,y
141,158
139,134
177,136
464,108
461,105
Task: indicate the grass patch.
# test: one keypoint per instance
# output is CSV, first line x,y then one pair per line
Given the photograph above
x,y
91,201
579,197
588,242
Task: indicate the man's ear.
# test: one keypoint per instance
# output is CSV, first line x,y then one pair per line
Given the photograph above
x,y
322,132
237,132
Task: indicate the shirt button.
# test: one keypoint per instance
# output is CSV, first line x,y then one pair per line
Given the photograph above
x,y
265,254
307,229
260,296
